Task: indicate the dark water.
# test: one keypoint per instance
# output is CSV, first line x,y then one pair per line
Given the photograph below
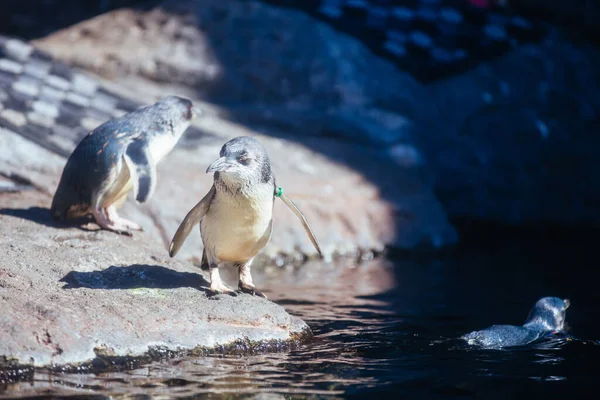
x,y
389,329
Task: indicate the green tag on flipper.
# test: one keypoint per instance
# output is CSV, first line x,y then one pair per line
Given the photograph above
x,y
278,192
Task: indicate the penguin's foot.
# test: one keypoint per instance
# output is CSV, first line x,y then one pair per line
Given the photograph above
x,y
108,224
220,288
111,213
216,284
126,224
246,288
109,219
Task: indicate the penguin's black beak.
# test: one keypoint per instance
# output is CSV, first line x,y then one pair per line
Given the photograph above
x,y
222,164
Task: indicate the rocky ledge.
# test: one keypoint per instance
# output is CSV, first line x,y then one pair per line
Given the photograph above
x,y
69,295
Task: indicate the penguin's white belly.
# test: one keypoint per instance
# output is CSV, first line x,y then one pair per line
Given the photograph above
x,y
236,228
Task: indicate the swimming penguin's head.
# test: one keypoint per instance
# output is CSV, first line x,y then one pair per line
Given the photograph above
x,y
548,314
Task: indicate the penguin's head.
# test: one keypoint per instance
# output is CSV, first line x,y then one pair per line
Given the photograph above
x,y
548,314
175,112
242,160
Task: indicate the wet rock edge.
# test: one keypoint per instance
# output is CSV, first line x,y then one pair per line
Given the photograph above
x,y
13,370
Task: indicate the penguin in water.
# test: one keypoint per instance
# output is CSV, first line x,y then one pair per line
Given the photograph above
x,y
547,315
119,156
236,215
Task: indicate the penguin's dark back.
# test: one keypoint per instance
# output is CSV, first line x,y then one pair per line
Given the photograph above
x,y
89,165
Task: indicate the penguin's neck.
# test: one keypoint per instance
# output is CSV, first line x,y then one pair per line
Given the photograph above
x,y
243,188
540,325
162,143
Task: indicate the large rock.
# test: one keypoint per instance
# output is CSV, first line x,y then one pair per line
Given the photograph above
x,y
70,294
517,143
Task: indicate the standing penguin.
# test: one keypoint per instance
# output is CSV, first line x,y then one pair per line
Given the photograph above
x,y
236,215
116,157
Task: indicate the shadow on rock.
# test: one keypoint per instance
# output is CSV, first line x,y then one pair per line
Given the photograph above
x,y
134,277
42,216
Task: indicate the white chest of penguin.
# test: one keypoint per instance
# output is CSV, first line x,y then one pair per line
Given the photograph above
x,y
160,145
237,227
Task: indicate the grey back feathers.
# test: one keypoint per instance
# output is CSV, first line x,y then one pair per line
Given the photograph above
x,y
91,166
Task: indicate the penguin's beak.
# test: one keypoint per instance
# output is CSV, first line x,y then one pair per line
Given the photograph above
x,y
567,303
222,164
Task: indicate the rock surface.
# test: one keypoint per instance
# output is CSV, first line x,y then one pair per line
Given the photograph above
x,y
69,294
518,145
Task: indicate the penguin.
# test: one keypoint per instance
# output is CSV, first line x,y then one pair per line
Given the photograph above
x,y
119,156
236,215
547,316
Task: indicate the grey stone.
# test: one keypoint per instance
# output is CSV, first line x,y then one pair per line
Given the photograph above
x,y
104,102
58,82
48,109
27,86
78,99
69,295
496,32
28,160
37,68
451,15
14,117
330,10
84,85
18,50
10,66
403,13
427,14
394,47
52,94
421,39
40,119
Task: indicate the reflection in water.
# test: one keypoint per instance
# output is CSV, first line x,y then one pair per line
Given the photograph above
x,y
384,328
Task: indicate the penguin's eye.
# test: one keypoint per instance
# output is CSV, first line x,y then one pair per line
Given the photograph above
x,y
243,159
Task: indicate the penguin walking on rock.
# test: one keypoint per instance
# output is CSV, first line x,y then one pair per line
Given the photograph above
x,y
236,215
119,156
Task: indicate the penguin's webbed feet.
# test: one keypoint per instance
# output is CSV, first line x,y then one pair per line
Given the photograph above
x,y
220,289
110,220
250,289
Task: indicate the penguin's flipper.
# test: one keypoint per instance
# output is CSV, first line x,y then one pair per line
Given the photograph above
x,y
141,169
288,202
192,218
